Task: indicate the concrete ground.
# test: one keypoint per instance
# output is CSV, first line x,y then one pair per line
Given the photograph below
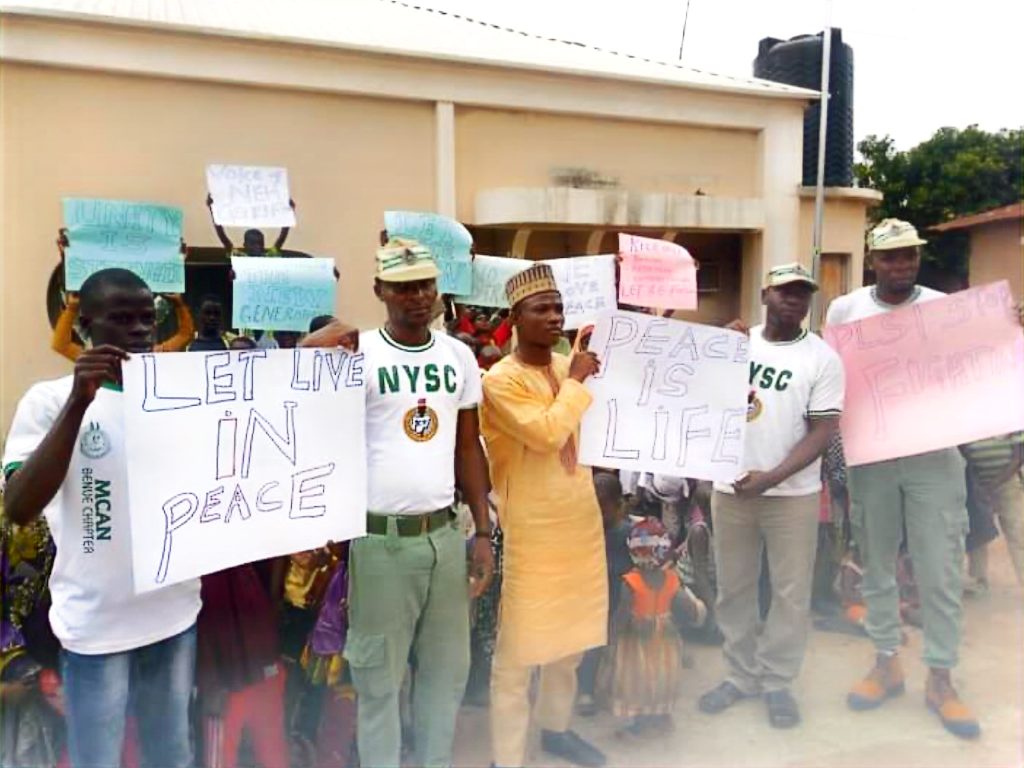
x,y
902,734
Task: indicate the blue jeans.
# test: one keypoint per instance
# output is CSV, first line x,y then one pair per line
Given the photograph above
x,y
156,679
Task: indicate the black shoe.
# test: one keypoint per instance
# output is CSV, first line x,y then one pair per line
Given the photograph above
x,y
720,698
570,747
782,709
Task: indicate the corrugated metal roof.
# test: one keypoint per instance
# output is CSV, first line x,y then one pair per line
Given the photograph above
x,y
1005,213
395,27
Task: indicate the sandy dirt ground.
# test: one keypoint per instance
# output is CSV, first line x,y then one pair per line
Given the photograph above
x,y
902,734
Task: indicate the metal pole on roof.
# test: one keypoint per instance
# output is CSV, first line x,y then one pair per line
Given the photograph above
x,y
686,20
819,187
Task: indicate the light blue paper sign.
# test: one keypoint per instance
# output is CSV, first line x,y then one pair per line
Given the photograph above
x,y
140,237
447,239
490,273
281,294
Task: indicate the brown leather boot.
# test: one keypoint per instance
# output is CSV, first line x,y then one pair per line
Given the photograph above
x,y
942,699
884,681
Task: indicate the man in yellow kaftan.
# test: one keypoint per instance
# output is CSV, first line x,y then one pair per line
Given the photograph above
x,y
554,598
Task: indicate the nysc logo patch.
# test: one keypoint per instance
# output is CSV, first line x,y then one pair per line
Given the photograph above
x,y
420,423
754,406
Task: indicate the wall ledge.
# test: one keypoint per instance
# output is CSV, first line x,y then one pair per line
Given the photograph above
x,y
616,208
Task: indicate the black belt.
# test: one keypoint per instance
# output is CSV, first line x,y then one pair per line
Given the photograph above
x,y
409,525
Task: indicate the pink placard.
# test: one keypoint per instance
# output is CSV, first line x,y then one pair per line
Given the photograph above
x,y
931,375
656,273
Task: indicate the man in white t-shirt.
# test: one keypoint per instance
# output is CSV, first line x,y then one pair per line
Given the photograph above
x,y
795,400
65,459
925,494
408,588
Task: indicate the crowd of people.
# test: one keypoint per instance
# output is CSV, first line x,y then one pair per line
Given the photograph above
x,y
490,553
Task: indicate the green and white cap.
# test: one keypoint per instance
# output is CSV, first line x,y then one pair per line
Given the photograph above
x,y
891,234
402,261
784,274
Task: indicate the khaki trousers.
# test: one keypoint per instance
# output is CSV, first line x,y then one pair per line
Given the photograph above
x,y
787,528
510,704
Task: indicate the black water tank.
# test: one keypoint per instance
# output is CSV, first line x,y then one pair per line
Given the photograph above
x,y
797,61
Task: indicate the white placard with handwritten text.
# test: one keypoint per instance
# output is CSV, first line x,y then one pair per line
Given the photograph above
x,y
240,456
671,398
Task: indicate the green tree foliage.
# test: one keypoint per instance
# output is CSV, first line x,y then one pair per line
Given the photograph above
x,y
954,173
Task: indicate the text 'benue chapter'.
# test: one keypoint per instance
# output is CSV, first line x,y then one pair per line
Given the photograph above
x,y
240,456
670,398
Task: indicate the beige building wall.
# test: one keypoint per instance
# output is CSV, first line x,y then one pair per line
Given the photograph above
x,y
68,133
842,244
499,148
997,253
843,232
360,133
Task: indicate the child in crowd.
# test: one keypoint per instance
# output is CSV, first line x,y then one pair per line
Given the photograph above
x,y
464,320
238,673
643,667
307,575
483,332
616,531
502,330
210,336
482,328
324,665
31,731
995,488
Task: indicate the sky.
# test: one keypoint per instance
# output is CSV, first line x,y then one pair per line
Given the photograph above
x,y
919,65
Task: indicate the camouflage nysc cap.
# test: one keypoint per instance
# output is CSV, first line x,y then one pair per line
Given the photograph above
x,y
891,234
402,261
784,274
533,280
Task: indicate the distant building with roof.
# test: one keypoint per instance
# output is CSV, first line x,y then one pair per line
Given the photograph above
x,y
995,245
542,147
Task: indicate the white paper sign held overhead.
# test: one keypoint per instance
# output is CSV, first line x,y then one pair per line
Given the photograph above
x,y
250,196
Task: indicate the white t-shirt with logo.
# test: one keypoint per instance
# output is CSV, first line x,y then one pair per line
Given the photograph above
x,y
95,609
864,302
413,399
789,383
